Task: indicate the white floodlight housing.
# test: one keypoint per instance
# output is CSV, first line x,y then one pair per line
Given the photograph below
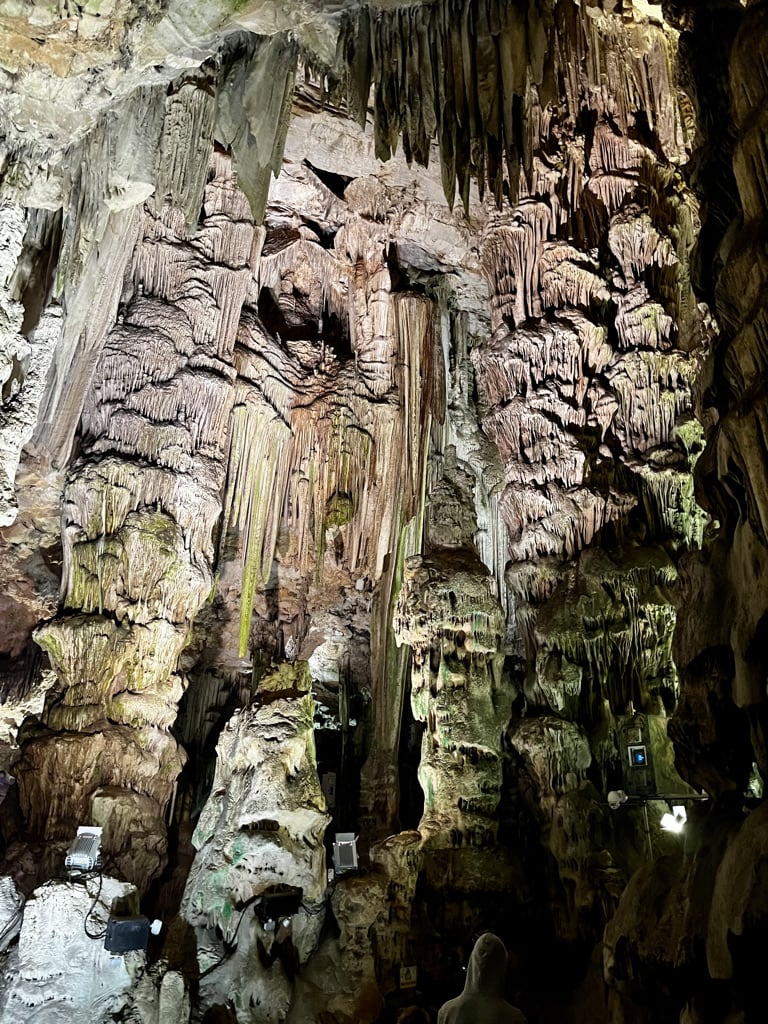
x,y
675,821
345,852
85,852
616,798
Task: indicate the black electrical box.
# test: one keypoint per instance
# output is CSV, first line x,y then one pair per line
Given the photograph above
x,y
125,934
280,901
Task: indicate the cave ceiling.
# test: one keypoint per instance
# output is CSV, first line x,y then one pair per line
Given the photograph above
x,y
382,451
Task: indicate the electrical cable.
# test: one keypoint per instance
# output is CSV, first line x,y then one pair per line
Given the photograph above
x,y
317,912
302,906
103,933
231,953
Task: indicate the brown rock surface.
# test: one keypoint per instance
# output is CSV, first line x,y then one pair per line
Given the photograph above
x,y
388,445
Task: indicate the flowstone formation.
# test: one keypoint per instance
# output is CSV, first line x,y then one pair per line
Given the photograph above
x,y
139,509
451,618
381,471
587,387
255,895
56,968
60,970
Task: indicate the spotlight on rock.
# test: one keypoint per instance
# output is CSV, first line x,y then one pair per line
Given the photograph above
x,y
675,821
84,854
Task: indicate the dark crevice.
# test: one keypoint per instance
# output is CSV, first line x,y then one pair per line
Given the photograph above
x,y
330,330
33,278
337,183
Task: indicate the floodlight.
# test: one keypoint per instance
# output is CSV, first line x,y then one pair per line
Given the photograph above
x,y
85,852
675,821
345,852
616,798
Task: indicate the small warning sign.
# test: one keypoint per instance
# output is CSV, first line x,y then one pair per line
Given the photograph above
x,y
408,976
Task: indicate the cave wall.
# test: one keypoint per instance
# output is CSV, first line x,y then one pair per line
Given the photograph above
x,y
425,436
702,939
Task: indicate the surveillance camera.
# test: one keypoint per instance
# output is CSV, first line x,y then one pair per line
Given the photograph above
x,y
616,798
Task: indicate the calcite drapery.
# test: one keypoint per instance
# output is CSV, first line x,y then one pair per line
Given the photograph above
x,y
587,388
587,377
139,511
586,380
339,380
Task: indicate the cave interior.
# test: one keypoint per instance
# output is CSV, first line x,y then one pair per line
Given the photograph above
x,y
383,509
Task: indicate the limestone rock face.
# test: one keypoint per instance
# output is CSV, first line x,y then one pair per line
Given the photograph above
x,y
374,916
712,900
718,728
587,387
260,832
24,355
353,381
452,620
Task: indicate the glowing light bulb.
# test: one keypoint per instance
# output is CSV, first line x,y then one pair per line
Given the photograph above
x,y
674,822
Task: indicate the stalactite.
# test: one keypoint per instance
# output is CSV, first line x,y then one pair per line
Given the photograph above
x,y
478,75
256,484
253,109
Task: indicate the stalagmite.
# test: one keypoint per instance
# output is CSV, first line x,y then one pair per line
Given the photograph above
x,y
260,838
445,607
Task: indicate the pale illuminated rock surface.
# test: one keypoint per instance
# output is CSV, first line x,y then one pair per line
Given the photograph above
x,y
11,911
56,972
59,971
261,828
266,436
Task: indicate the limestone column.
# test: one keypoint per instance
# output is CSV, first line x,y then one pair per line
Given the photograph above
x,y
140,506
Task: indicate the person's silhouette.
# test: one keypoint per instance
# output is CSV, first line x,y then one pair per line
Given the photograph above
x,y
482,1001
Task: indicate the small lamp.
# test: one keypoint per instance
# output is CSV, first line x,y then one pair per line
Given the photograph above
x,y
675,821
